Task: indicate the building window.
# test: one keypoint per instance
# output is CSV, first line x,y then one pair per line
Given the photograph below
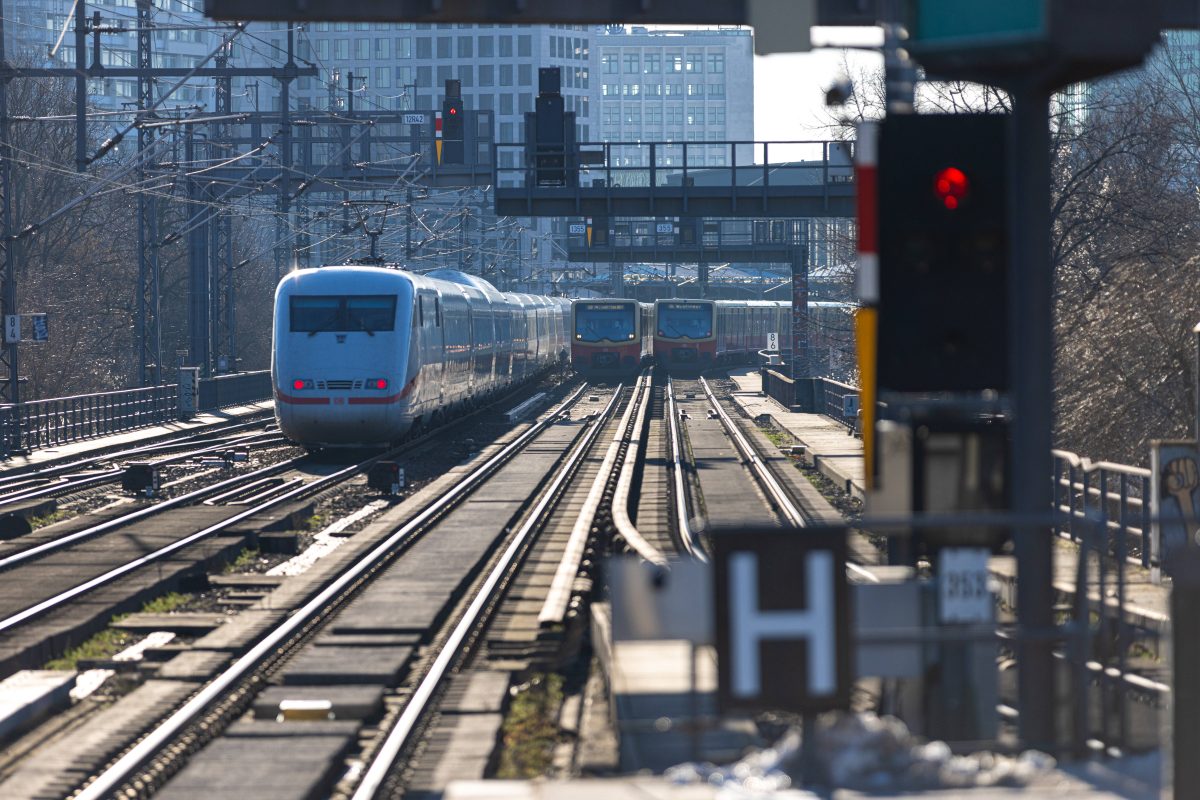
x,y
633,115
467,75
716,90
674,63
631,89
383,49
444,74
652,89
524,45
525,104
695,90
424,47
487,47
506,103
443,47
674,115
610,89
487,102
505,46
383,77
525,74
404,47
716,62
362,49
466,47
609,65
673,89
425,77
654,115
611,114
323,49
651,63
506,75
341,49
716,115
632,64
695,116
487,75
693,62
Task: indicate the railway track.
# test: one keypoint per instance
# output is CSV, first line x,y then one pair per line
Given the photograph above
x,y
406,551
433,613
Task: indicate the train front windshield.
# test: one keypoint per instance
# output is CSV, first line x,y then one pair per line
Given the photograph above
x,y
604,322
685,320
342,314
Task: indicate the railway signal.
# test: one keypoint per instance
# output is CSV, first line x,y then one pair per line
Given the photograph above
x,y
943,253
453,145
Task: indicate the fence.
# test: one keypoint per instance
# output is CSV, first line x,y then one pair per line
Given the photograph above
x,y
1107,497
47,423
836,400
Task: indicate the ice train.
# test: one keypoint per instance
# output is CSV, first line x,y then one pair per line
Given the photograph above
x,y
361,354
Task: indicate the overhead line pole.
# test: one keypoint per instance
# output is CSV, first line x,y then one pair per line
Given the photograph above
x,y
149,334
10,387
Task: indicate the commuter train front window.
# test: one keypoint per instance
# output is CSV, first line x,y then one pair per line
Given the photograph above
x,y
685,320
343,314
598,322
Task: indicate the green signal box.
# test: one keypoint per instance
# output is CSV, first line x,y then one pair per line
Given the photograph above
x,y
1066,40
957,23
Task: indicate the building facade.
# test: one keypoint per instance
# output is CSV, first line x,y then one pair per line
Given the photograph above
x,y
675,86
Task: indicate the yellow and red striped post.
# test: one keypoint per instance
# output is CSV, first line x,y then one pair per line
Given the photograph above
x,y
866,321
437,134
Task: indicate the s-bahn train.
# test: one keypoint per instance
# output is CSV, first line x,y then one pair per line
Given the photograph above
x,y
698,334
360,354
610,337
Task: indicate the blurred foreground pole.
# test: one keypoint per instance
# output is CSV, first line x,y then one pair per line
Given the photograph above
x,y
1031,364
1185,662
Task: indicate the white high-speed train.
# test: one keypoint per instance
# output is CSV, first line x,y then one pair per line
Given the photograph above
x,y
362,353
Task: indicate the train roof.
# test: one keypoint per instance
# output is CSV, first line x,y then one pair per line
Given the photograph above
x,y
463,278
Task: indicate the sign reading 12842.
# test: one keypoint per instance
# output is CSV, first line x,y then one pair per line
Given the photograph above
x,y
414,119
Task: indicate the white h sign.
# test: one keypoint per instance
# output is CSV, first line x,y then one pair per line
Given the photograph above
x,y
750,625
782,610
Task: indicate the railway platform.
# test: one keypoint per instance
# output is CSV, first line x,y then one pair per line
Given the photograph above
x,y
828,446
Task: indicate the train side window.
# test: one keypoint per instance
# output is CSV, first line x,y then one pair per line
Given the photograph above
x,y
421,309
437,312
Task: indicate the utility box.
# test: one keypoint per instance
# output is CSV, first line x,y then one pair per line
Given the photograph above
x,y
189,392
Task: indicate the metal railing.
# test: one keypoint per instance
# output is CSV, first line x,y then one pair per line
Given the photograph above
x,y
59,420
1108,497
834,399
55,421
838,401
664,164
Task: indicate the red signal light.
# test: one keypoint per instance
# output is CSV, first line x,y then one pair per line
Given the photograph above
x,y
951,186
453,111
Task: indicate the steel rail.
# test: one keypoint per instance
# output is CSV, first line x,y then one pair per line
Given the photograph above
x,y
768,480
74,483
111,780
384,759
64,465
558,598
687,537
175,502
620,503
